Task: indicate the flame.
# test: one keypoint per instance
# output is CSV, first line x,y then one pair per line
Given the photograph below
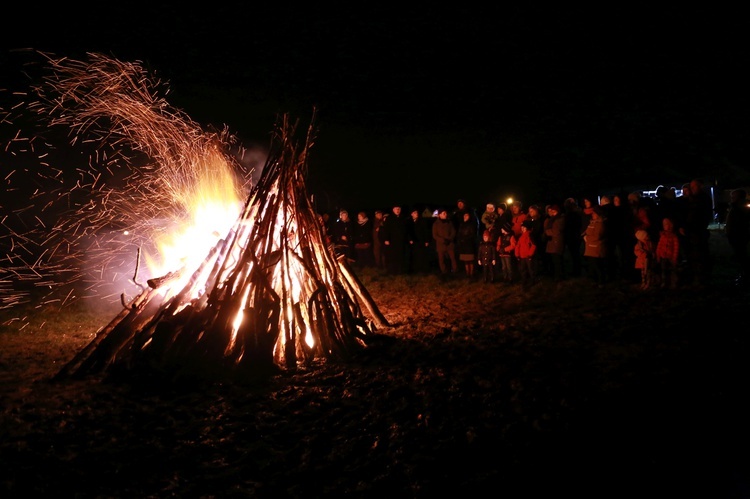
x,y
211,203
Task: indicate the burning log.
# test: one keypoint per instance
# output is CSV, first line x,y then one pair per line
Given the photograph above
x,y
270,296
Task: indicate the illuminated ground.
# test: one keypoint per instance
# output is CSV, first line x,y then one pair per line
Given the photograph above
x,y
570,390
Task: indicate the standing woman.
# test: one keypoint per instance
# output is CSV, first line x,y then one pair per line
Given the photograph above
x,y
466,244
554,229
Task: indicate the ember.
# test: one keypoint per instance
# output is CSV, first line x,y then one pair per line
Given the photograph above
x,y
151,176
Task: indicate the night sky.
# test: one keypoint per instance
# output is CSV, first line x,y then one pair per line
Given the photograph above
x,y
426,106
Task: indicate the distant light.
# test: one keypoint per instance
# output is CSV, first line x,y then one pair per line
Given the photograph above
x,y
509,201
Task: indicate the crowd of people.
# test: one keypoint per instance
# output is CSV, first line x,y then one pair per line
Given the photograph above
x,y
660,241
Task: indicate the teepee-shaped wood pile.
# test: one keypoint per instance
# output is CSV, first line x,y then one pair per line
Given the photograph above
x,y
270,296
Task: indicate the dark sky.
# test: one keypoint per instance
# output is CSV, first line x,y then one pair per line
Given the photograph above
x,y
418,105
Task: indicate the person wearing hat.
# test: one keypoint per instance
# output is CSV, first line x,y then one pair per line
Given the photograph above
x,y
554,229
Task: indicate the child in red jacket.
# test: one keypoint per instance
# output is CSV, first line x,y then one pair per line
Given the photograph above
x,y
667,254
524,251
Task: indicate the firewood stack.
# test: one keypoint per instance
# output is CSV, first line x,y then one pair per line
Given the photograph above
x,y
270,297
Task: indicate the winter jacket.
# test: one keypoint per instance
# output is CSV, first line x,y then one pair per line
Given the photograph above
x,y
668,247
644,254
594,238
516,223
506,245
554,229
444,233
525,247
486,253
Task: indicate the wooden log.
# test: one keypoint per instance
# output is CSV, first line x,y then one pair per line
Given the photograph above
x,y
362,293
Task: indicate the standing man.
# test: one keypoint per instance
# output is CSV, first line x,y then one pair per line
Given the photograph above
x,y
377,240
394,237
554,229
342,232
737,230
419,243
444,234
700,213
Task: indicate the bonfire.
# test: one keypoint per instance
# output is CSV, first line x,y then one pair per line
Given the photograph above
x,y
268,293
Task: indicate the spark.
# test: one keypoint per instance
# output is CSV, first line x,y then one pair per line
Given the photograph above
x,y
123,172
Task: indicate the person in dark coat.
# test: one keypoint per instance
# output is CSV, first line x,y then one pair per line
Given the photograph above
x,y
487,257
342,234
420,236
466,244
363,241
378,252
444,234
575,226
394,236
737,230
621,239
554,229
697,219
542,266
458,214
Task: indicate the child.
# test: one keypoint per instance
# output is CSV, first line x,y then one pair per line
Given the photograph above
x,y
595,251
487,256
667,254
524,251
644,257
506,246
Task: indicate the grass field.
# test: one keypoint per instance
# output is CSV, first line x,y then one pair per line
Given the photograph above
x,y
574,389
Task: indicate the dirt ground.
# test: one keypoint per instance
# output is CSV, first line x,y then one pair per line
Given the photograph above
x,y
562,389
